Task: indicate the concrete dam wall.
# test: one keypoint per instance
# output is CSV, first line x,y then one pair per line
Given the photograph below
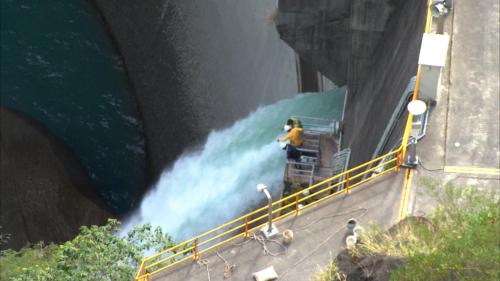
x,y
200,65
197,66
370,46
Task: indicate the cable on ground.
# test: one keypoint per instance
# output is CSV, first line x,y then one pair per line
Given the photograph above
x,y
228,268
427,169
320,245
458,176
364,210
205,262
263,242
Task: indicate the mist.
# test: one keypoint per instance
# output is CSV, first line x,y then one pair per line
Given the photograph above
x,y
216,182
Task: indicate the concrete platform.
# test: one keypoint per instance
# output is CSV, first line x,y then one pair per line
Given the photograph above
x,y
462,141
472,137
319,233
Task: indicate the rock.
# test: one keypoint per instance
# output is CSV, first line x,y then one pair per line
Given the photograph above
x,y
368,268
46,194
377,266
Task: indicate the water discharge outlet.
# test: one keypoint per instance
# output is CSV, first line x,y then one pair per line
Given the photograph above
x,y
216,181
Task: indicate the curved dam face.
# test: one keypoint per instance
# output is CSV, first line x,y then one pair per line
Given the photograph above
x,y
45,193
59,66
194,66
198,66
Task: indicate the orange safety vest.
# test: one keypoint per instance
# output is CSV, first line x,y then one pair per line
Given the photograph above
x,y
295,137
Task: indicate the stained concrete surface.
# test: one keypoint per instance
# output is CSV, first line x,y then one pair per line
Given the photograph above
x,y
473,119
318,237
463,128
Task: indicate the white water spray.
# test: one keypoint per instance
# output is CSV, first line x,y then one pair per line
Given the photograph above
x,y
211,186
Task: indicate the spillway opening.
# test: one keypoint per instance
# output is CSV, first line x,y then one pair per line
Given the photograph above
x,y
216,183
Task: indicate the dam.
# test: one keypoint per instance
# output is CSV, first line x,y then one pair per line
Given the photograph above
x,y
378,97
383,197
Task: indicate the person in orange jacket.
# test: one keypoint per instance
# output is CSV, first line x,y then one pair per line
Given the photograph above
x,y
294,135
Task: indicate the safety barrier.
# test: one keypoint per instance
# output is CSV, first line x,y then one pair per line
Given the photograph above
x,y
406,134
194,248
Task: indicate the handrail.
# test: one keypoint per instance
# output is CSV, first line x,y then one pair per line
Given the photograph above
x,y
289,204
242,226
407,130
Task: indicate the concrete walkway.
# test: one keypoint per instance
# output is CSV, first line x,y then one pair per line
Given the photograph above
x,y
319,234
473,110
462,142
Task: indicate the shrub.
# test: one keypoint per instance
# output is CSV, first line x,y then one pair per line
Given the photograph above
x,y
460,240
96,253
460,243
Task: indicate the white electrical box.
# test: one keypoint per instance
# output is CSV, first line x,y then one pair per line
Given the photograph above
x,y
433,54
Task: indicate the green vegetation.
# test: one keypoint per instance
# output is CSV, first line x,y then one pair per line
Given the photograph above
x,y
14,264
460,240
330,273
97,253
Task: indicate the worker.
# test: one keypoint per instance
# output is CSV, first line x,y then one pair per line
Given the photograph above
x,y
291,142
294,122
294,135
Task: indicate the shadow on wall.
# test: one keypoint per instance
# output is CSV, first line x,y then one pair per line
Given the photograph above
x,y
46,194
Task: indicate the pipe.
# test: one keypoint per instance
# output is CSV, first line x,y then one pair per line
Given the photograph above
x,y
270,203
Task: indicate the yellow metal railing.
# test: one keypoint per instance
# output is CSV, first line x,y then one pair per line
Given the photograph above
x,y
406,134
194,248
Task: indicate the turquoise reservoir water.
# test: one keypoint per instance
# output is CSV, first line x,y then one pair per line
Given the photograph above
x,y
59,66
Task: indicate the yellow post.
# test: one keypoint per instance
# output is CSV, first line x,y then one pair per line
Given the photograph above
x,y
347,183
195,248
406,134
246,227
399,161
141,274
296,205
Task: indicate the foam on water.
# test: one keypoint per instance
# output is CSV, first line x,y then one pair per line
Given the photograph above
x,y
216,183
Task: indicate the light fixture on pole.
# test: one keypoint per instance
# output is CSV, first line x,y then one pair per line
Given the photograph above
x,y
270,229
439,8
416,108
